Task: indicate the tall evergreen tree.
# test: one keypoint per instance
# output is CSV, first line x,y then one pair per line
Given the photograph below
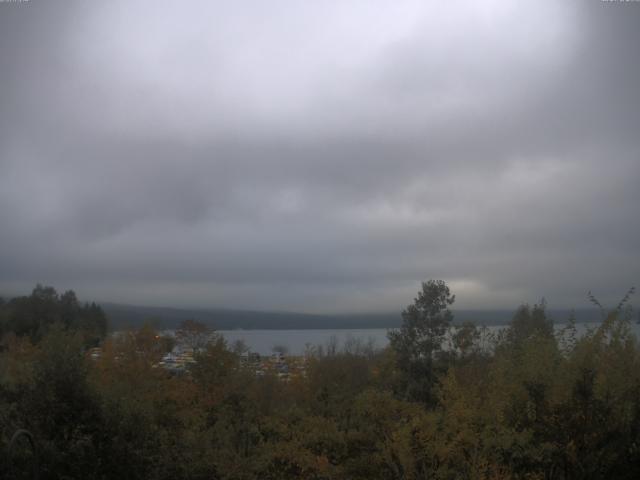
x,y
418,342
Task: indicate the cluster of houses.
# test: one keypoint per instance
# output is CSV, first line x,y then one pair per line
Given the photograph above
x,y
177,361
284,368
277,364
95,353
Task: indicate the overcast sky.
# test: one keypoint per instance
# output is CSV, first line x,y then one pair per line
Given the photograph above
x,y
320,156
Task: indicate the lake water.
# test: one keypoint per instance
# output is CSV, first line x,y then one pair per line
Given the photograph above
x,y
297,341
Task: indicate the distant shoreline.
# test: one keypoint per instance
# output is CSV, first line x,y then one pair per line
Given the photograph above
x,y
127,316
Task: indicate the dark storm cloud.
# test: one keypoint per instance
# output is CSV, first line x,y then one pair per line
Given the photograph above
x,y
320,157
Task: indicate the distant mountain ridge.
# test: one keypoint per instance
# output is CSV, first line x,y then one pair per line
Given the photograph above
x,y
132,316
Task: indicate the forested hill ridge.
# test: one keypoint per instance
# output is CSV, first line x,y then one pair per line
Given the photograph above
x,y
125,316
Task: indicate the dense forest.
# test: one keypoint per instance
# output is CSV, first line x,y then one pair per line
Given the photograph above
x,y
441,401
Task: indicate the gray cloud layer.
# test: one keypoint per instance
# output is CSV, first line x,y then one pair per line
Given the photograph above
x,y
320,156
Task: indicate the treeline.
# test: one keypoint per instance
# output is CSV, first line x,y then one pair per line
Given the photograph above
x,y
32,316
528,403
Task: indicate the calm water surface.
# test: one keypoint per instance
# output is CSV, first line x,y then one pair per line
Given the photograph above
x,y
296,341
